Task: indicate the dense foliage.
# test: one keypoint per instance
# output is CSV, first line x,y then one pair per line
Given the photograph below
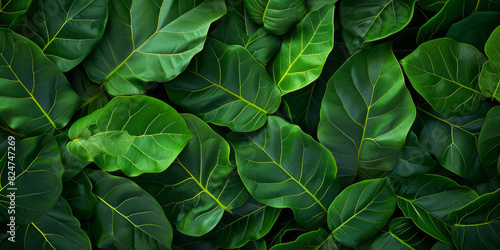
x,y
250,124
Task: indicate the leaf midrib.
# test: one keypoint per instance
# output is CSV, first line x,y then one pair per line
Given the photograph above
x,y
444,121
40,231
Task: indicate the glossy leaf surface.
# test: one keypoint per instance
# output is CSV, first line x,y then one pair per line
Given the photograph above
x,y
282,167
133,51
489,81
226,86
160,135
366,114
35,97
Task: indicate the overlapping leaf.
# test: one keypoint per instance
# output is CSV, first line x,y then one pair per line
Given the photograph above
x,y
282,167
127,217
226,86
317,240
366,114
360,211
489,81
199,186
133,50
78,193
304,51
403,234
35,97
159,134
415,160
368,20
429,199
277,16
93,96
66,31
446,72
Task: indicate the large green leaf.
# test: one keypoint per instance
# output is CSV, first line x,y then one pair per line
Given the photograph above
x,y
58,229
366,114
127,217
305,104
365,21
10,10
453,140
428,199
415,160
402,234
199,186
66,30
446,72
360,211
35,97
277,16
226,86
476,225
111,143
36,163
489,81
315,240
159,134
283,167
304,51
235,30
252,221
78,193
90,92
134,50
489,143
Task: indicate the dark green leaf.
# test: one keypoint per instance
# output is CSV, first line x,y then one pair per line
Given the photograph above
x,y
489,143
91,93
72,165
365,21
304,51
432,5
35,97
360,211
254,245
159,134
133,50
446,72
11,9
283,167
78,193
315,240
415,160
489,81
127,217
403,234
277,16
366,114
428,199
66,30
240,96
37,185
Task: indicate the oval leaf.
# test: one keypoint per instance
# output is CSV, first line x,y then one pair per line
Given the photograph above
x,y
283,167
139,54
159,134
35,97
366,114
240,96
489,81
360,211
127,217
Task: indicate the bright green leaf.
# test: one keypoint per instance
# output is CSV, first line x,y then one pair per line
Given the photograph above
x,y
112,143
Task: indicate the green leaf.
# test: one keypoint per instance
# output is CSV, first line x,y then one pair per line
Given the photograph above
x,y
10,10
277,16
415,160
428,199
445,72
453,140
127,217
255,245
360,211
452,11
199,186
78,193
234,31
366,114
112,143
315,240
35,97
475,29
160,135
240,96
58,229
489,81
283,167
250,222
72,165
403,234
66,30
476,225
133,50
304,51
432,5
91,93
305,103
37,184
365,21
489,143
